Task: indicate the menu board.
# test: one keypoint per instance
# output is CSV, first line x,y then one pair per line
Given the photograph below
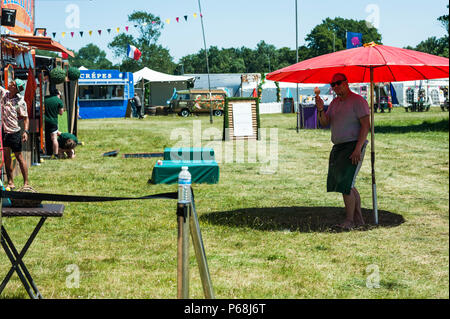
x,y
242,119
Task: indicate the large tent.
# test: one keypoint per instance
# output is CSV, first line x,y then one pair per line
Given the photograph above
x,y
155,76
161,84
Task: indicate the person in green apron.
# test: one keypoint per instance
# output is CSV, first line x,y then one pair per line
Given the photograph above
x,y
66,145
53,107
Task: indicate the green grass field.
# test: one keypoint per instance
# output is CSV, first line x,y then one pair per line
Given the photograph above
x,y
267,225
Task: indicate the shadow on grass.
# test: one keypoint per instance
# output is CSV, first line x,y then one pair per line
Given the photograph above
x,y
425,126
297,219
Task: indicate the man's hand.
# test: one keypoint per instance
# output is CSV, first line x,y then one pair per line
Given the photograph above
x,y
24,136
319,103
356,156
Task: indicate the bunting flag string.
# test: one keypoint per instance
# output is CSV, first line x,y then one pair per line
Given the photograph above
x,y
126,28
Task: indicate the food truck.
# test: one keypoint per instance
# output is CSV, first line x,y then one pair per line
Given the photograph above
x,y
104,93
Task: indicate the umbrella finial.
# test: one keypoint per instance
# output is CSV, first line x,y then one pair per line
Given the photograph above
x,y
370,44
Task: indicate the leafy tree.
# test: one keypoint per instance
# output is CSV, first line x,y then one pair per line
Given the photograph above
x,y
320,40
154,56
266,57
433,45
91,57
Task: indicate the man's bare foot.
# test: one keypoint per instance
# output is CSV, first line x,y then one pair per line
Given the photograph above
x,y
346,225
358,219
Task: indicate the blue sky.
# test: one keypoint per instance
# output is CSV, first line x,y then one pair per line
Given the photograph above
x,y
237,23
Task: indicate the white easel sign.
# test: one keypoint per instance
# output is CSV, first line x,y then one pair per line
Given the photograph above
x,y
242,119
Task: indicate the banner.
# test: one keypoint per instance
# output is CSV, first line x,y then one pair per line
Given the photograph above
x,y
119,28
354,40
24,16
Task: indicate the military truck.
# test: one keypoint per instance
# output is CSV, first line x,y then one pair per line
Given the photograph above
x,y
194,101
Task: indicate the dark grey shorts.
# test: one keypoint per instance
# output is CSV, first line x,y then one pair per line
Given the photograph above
x,y
341,172
13,141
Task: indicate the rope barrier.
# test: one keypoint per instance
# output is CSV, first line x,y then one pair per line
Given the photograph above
x,y
80,198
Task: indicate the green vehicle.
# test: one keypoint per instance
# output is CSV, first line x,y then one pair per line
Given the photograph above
x,y
187,102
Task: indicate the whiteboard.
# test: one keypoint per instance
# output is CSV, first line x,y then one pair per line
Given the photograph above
x,y
242,119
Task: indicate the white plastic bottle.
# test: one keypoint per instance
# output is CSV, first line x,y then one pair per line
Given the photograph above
x,y
184,186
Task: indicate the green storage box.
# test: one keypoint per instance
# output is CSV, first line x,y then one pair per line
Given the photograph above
x,y
189,154
201,172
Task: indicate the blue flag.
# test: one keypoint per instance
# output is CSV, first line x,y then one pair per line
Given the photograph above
x,y
354,40
393,95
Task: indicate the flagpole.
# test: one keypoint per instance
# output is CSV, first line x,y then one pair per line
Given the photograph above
x,y
207,65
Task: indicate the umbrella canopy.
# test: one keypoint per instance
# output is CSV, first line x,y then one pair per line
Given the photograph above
x,y
389,64
369,63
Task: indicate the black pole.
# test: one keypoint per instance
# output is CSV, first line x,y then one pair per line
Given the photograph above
x,y
207,65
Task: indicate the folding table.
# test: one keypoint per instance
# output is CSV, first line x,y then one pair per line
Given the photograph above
x,y
44,211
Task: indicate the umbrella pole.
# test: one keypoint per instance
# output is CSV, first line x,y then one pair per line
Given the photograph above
x,y
372,153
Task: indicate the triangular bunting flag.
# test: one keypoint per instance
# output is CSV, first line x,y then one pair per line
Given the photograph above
x,y
72,34
126,28
195,15
178,19
201,15
118,30
90,32
63,34
99,32
185,18
81,33
54,34
109,30
168,21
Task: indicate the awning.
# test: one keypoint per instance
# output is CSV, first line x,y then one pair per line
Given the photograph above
x,y
41,43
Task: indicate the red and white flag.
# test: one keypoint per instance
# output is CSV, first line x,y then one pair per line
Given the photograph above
x,y
134,52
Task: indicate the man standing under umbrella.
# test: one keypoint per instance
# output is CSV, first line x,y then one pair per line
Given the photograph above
x,y
348,117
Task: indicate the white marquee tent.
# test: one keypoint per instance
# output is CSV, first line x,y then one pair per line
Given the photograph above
x,y
154,76
161,84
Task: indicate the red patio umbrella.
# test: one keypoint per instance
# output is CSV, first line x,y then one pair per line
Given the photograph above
x,y
369,63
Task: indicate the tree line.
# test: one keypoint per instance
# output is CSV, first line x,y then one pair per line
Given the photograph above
x,y
328,36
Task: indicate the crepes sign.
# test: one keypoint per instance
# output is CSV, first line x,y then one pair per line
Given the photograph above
x,y
24,16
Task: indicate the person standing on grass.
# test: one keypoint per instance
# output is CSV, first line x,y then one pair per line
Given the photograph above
x,y
14,109
348,117
138,104
53,107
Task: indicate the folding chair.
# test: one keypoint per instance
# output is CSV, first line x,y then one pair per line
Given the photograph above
x,y
16,258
